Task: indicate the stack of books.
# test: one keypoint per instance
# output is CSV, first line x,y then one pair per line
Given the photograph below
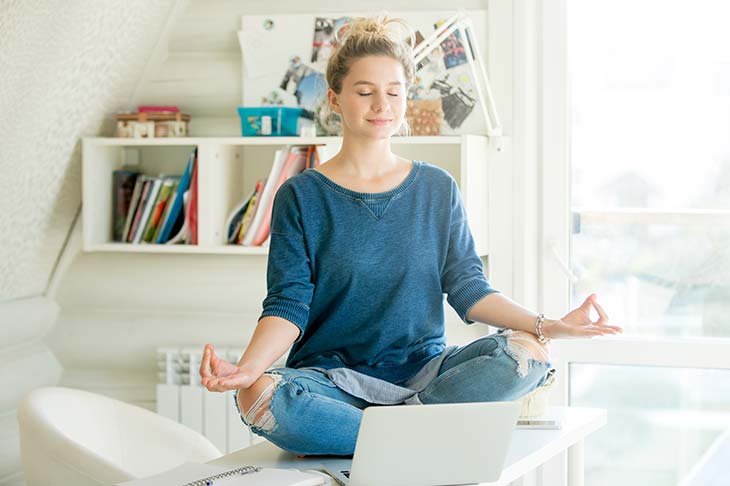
x,y
249,224
162,209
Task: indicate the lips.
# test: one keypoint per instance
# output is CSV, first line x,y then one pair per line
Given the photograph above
x,y
380,121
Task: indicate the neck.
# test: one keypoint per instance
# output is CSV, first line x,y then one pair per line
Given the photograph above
x,y
365,158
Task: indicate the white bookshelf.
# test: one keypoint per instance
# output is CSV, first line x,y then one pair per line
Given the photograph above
x,y
229,167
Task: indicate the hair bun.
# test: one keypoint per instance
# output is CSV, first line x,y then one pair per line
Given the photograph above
x,y
379,26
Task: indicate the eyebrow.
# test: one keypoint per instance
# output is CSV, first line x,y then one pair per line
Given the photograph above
x,y
373,84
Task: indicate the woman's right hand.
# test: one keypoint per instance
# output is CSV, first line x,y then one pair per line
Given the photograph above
x,y
217,374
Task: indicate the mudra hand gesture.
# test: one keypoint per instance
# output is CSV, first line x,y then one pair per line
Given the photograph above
x,y
217,374
578,324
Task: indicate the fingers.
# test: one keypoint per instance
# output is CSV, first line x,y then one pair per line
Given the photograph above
x,y
215,361
594,330
212,383
233,382
205,362
589,333
586,305
602,316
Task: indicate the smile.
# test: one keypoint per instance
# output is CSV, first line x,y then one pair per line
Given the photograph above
x,y
379,122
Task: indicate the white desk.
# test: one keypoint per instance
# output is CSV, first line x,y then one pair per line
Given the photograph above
x,y
530,449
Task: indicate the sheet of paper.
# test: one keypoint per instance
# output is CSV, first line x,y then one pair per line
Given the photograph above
x,y
268,44
191,472
180,475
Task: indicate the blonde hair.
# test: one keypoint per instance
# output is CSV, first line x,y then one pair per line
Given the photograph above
x,y
372,36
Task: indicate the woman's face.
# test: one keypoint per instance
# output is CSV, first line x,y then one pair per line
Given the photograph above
x,y
372,102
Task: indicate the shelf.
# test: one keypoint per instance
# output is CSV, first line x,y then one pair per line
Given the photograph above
x,y
229,168
196,249
111,141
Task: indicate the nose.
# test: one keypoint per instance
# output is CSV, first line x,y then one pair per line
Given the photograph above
x,y
379,103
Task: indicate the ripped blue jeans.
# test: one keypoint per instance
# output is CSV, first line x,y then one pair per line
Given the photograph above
x,y
308,414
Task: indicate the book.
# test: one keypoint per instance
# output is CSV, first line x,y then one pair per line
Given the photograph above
x,y
316,162
166,213
313,157
157,208
177,203
192,474
123,185
250,211
236,222
191,216
180,230
295,163
235,218
138,185
280,157
149,202
146,183
310,159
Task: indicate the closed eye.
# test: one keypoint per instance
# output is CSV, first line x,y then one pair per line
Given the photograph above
x,y
368,94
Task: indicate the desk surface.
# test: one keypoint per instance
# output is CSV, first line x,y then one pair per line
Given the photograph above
x,y
529,449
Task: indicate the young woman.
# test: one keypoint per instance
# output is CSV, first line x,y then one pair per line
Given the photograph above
x,y
362,250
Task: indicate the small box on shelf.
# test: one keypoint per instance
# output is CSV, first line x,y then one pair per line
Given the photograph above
x,y
149,123
276,121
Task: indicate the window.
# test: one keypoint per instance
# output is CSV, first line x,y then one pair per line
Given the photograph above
x,y
663,422
649,144
650,154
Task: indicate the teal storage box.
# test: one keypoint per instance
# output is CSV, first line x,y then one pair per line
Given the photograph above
x,y
277,121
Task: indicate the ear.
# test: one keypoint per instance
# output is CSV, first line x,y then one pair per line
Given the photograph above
x,y
332,99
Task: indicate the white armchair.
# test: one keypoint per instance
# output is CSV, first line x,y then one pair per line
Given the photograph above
x,y
70,436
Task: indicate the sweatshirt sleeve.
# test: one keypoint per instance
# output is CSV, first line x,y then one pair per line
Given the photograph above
x,y
288,275
462,277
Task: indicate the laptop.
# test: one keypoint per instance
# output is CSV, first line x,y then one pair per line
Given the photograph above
x,y
429,445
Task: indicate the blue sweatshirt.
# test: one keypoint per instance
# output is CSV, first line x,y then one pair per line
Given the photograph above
x,y
363,275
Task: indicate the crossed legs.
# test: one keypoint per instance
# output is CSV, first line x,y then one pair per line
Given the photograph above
x,y
304,412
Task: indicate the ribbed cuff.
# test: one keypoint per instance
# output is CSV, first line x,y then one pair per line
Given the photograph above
x,y
291,310
469,294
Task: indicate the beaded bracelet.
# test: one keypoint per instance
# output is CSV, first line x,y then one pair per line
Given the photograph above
x,y
538,327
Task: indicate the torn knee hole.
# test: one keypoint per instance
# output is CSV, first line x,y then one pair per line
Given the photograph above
x,y
529,344
524,346
255,403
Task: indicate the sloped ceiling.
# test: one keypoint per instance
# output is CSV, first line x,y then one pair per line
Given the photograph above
x,y
65,68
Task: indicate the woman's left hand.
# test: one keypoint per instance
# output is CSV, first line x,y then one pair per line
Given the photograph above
x,y
577,323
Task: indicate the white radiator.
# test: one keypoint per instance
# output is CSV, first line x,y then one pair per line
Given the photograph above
x,y
181,397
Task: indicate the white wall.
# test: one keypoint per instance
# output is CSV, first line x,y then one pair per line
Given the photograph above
x,y
65,67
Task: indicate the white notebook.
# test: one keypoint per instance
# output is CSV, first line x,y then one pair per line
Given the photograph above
x,y
191,474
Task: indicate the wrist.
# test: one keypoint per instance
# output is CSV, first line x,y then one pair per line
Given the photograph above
x,y
250,366
548,328
542,329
